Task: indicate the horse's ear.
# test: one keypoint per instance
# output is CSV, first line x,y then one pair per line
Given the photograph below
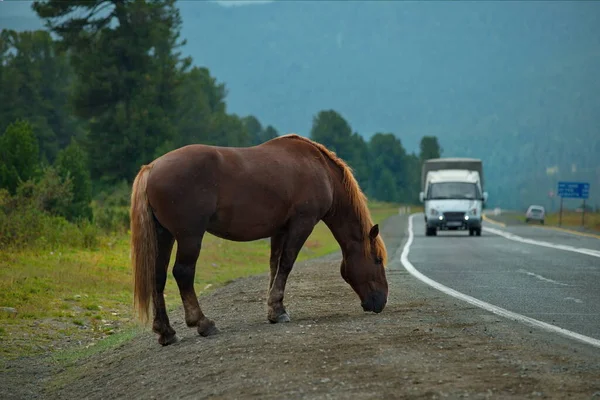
x,y
374,232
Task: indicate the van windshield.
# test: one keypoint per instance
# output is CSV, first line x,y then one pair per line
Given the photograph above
x,y
453,190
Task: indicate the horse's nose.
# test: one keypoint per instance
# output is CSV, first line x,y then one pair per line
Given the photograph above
x,y
375,302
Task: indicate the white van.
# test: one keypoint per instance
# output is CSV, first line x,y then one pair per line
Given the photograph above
x,y
453,195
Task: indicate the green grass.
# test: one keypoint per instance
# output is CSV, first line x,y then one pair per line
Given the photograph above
x,y
573,219
76,353
70,298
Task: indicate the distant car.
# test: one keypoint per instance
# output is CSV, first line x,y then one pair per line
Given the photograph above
x,y
535,213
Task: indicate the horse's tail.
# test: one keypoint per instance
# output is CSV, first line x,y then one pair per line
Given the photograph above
x,y
143,245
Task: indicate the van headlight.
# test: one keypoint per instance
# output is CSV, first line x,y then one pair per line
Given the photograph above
x,y
473,211
433,211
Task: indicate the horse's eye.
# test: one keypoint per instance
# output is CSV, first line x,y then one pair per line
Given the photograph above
x,y
378,260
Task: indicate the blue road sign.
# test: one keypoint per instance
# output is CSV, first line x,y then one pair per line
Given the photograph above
x,y
574,190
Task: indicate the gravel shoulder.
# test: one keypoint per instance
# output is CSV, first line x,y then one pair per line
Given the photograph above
x,y
423,345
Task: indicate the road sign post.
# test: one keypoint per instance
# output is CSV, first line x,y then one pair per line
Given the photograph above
x,y
560,213
573,190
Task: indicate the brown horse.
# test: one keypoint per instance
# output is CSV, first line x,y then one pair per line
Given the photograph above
x,y
280,189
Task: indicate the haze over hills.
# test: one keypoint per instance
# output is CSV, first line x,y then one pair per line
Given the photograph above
x,y
513,83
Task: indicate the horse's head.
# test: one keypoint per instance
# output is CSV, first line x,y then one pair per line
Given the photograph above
x,y
365,273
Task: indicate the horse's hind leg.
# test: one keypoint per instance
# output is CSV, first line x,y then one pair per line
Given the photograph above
x,y
161,325
188,250
293,241
277,242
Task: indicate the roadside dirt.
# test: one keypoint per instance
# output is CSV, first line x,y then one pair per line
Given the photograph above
x,y
424,345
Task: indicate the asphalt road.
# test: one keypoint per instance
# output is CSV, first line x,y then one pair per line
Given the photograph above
x,y
535,231
552,285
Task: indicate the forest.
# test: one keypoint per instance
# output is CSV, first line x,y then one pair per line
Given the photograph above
x,y
511,83
107,88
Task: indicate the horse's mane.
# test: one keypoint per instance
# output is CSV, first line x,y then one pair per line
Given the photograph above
x,y
358,200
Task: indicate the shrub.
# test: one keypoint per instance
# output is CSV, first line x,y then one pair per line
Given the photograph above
x,y
111,208
19,155
35,216
50,193
71,164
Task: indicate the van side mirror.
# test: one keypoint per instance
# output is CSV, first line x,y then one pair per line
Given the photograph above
x,y
421,196
485,196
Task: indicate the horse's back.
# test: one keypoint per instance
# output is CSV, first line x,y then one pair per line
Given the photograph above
x,y
240,193
279,162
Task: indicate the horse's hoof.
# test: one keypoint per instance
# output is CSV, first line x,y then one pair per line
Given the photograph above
x,y
210,331
207,328
172,340
285,317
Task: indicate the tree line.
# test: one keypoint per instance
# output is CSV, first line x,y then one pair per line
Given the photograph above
x,y
106,89
382,166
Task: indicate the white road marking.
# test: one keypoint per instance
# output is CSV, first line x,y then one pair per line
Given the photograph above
x,y
571,314
482,304
574,299
541,278
516,238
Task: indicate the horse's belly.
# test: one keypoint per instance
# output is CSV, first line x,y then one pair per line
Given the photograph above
x,y
246,224
238,236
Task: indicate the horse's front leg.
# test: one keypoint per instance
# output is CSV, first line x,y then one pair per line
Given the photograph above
x,y
293,240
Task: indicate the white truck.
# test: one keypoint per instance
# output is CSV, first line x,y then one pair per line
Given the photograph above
x,y
452,193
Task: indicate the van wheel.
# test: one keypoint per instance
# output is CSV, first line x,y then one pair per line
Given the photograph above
x,y
471,232
542,222
478,232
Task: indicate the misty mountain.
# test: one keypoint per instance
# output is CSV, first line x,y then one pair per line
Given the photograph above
x,y
513,83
